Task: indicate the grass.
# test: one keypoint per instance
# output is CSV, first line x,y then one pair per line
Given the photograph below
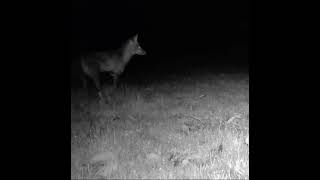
x,y
179,128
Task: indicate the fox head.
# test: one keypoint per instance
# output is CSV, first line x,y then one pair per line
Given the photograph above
x,y
135,47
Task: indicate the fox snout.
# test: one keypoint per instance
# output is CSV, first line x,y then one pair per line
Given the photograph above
x,y
142,52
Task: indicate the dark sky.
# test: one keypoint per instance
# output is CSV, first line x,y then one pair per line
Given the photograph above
x,y
166,28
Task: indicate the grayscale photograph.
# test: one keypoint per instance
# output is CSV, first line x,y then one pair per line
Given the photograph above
x,y
159,89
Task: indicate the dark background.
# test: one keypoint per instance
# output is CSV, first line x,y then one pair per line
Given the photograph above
x,y
178,36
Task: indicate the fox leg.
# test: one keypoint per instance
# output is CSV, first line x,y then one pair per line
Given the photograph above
x,y
96,80
115,80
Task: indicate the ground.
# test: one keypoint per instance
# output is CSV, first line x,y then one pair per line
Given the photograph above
x,y
179,127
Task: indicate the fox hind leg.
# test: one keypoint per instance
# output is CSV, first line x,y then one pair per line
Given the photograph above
x,y
94,76
115,80
96,81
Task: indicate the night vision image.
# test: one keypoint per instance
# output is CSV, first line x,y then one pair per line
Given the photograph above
x,y
159,90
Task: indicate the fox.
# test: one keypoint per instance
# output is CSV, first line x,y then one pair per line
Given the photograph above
x,y
112,62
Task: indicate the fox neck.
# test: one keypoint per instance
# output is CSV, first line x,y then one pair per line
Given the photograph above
x,y
127,52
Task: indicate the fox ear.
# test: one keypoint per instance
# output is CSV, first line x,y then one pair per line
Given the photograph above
x,y
136,37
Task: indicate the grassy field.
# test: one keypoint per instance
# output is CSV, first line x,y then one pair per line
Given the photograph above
x,y
195,127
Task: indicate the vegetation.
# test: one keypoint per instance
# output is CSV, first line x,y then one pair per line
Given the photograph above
x,y
177,128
